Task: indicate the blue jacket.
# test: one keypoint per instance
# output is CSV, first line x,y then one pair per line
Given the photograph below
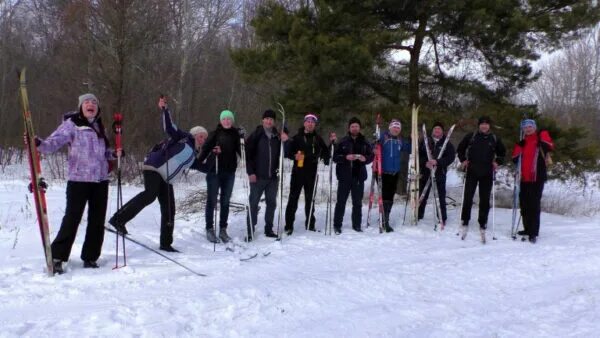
x,y
392,147
179,149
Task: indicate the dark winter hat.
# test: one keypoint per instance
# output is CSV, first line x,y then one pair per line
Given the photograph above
x,y
269,113
354,120
88,96
438,124
484,119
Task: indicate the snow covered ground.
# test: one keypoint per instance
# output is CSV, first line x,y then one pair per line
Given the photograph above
x,y
413,282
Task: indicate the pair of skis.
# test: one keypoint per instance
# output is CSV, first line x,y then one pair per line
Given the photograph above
x,y
37,185
431,183
413,171
375,192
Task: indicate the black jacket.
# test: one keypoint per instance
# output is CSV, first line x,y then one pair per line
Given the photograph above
x,y
313,147
262,153
347,170
229,141
435,147
481,150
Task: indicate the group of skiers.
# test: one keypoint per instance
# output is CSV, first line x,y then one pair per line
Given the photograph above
x,y
216,154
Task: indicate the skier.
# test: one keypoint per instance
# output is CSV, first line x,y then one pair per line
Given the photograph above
x,y
352,155
441,167
223,144
305,149
480,154
89,153
534,150
262,160
393,145
162,165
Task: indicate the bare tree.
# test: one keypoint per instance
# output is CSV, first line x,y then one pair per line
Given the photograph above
x,y
569,88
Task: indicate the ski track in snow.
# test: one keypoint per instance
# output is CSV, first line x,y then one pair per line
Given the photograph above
x,y
413,282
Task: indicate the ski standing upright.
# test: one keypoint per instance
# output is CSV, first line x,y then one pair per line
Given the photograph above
x,y
375,191
280,172
413,170
38,185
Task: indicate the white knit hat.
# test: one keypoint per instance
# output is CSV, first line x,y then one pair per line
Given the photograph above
x,y
198,130
395,124
88,96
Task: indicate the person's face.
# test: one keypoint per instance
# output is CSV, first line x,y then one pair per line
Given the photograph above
x,y
268,122
354,129
200,139
437,132
227,123
484,127
395,131
309,125
529,129
89,108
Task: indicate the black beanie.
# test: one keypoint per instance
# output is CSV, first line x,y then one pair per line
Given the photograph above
x,y
269,113
438,124
484,119
354,120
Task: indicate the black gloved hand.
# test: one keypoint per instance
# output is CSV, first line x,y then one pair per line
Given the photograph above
x,y
242,132
41,184
521,143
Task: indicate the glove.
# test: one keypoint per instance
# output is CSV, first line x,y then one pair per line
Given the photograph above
x,y
42,185
521,143
242,132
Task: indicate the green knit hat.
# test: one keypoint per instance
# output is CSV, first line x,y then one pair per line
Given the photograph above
x,y
227,114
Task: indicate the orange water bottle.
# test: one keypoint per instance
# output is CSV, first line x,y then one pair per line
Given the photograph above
x,y
301,159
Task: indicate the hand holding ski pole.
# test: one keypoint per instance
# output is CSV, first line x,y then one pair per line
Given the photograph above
x,y
431,164
252,178
284,137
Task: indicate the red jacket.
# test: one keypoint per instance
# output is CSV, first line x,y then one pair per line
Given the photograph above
x,y
533,151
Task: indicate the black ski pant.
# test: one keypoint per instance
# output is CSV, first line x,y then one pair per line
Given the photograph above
x,y
154,186
530,198
356,188
269,188
222,182
485,189
304,179
440,183
389,184
95,195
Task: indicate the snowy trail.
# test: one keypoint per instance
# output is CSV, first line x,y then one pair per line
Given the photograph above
x,y
413,282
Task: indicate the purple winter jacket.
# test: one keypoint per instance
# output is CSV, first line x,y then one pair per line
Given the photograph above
x,y
88,156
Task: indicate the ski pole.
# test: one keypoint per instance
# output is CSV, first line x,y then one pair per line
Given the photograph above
x,y
462,203
280,183
312,202
328,216
217,200
494,206
118,129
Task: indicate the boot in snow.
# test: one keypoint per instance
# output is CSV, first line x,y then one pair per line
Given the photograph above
x,y
211,236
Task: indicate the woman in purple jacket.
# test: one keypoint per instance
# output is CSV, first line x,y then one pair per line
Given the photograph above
x,y
88,158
